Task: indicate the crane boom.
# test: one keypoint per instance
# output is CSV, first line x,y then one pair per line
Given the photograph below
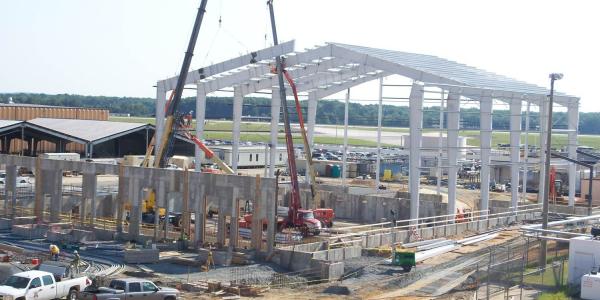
x,y
170,125
295,193
307,150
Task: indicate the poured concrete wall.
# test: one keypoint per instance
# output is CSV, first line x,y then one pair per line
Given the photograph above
x,y
362,205
222,191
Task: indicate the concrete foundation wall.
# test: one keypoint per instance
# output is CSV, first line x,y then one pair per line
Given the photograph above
x,y
141,256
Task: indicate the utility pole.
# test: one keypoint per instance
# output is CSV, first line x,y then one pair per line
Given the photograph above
x,y
546,192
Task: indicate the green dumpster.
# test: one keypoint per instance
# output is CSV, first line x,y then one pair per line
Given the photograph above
x,y
405,259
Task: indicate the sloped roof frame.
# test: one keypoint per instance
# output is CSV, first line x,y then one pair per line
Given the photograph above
x,y
315,68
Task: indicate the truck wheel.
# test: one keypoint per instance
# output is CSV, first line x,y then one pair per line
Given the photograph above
x,y
72,295
170,298
330,224
406,268
316,232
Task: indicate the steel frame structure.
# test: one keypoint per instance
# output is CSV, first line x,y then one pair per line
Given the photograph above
x,y
332,68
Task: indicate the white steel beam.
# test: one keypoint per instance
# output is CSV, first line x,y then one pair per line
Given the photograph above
x,y
515,150
485,110
311,122
345,151
440,171
379,119
311,118
416,126
238,101
275,112
200,117
228,65
159,112
452,144
573,119
526,156
336,88
256,77
314,74
387,66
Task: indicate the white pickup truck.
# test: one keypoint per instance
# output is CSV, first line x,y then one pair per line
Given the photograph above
x,y
40,285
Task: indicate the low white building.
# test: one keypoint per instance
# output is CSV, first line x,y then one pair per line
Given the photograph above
x,y
251,156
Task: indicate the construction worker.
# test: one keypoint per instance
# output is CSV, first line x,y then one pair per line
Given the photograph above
x,y
209,260
76,261
54,252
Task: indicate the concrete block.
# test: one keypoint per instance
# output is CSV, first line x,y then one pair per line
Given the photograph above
x,y
80,236
320,255
401,236
331,270
440,231
30,231
386,239
460,228
493,222
141,256
483,225
427,233
472,226
105,235
5,223
56,236
352,252
23,220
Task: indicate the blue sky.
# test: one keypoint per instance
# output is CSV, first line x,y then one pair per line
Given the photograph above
x,y
121,48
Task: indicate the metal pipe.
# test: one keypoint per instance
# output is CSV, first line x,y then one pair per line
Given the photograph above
x,y
546,191
549,238
562,222
345,153
556,232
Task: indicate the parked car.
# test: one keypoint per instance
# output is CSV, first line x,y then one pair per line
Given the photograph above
x,y
130,288
41,285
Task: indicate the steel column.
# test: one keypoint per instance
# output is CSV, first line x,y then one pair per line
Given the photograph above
x,y
515,150
485,111
345,151
275,112
452,144
416,125
526,156
379,119
311,122
573,119
161,101
238,100
200,117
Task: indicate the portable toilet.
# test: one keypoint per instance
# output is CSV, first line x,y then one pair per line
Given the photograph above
x,y
336,171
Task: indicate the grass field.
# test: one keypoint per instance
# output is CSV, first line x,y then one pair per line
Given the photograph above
x,y
265,138
258,132
210,125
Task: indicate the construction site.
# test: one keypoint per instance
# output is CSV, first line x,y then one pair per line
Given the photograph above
x,y
421,215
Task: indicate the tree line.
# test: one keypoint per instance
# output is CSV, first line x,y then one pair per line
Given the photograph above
x,y
328,111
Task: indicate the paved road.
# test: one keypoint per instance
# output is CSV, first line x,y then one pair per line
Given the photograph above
x,y
387,137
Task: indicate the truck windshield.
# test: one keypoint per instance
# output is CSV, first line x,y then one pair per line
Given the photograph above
x,y
308,215
17,282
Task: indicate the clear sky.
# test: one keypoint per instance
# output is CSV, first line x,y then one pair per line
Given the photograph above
x,y
122,47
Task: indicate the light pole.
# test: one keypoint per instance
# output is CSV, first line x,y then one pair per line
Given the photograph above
x,y
546,192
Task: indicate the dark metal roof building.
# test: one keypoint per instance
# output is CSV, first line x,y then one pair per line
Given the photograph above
x,y
99,138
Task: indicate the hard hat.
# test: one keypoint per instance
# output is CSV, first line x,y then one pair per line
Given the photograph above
x,y
75,252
